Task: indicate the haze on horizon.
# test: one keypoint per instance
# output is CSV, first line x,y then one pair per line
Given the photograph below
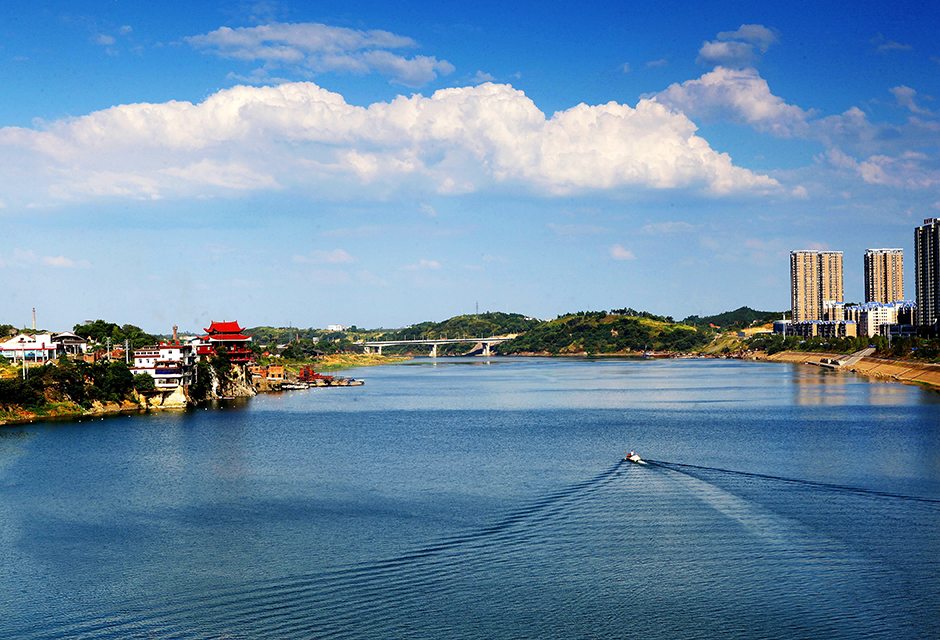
x,y
379,166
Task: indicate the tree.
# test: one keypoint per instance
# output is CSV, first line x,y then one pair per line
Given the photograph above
x,y
144,382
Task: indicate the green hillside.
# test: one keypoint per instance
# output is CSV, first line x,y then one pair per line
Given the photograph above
x,y
481,325
737,319
603,333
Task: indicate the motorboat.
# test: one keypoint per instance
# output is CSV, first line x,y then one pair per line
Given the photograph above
x,y
632,457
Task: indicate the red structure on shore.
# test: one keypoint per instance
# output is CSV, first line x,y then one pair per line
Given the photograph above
x,y
228,335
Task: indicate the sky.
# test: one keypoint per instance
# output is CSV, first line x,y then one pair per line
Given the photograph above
x,y
383,164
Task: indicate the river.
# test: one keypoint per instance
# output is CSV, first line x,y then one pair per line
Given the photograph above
x,y
472,498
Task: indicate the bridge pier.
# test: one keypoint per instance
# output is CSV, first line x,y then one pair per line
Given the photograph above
x,y
433,353
486,349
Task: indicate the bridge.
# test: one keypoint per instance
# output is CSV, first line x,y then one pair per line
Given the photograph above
x,y
433,343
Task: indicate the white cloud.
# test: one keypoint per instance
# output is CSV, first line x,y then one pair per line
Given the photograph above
x,y
755,34
104,40
617,252
883,46
29,259
657,228
577,229
906,97
727,54
423,265
63,262
319,256
481,77
738,96
737,49
910,170
322,48
299,136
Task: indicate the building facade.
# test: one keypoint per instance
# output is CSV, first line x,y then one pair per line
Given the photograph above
x,y
927,271
34,348
170,364
815,283
825,329
884,275
873,318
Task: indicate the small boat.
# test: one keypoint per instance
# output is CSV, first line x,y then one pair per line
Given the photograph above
x,y
632,457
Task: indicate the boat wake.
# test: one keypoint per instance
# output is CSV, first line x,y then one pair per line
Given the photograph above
x,y
364,600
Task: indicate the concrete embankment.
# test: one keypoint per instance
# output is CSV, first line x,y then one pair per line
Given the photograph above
x,y
899,370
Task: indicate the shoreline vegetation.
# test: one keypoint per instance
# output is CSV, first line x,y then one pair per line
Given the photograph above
x,y
67,389
230,385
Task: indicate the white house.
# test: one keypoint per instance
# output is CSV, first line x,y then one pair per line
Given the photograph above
x,y
170,364
37,348
68,342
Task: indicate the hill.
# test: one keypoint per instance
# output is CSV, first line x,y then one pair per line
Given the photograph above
x,y
737,319
603,333
480,325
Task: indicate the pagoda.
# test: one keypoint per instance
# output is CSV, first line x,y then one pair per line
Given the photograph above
x,y
228,335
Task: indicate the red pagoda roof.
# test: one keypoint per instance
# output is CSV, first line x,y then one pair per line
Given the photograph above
x,y
224,327
226,337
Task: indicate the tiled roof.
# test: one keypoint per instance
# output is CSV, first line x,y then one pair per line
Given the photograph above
x,y
224,327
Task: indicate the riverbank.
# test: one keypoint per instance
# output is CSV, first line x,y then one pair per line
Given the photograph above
x,y
906,371
176,399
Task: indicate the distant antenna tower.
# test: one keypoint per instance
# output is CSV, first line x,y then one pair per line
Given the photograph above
x,y
478,307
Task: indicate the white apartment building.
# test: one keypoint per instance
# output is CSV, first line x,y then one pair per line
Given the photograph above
x,y
873,318
171,365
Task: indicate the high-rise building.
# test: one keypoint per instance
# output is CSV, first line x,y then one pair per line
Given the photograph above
x,y
927,271
815,279
884,275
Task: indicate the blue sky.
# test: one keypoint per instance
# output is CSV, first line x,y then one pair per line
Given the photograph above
x,y
301,164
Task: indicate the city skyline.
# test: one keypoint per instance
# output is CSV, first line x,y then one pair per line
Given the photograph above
x,y
281,164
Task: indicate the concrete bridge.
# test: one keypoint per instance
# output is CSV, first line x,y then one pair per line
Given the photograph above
x,y
433,343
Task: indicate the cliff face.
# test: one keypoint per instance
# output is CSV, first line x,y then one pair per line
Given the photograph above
x,y
234,383
176,399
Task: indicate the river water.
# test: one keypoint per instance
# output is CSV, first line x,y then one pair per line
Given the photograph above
x,y
469,498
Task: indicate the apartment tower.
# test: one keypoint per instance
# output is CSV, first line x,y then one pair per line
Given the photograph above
x,y
815,279
927,271
884,275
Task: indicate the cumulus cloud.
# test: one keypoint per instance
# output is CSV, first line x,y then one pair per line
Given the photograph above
x,y
299,136
737,49
321,48
737,95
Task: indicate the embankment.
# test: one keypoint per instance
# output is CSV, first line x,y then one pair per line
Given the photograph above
x,y
907,371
